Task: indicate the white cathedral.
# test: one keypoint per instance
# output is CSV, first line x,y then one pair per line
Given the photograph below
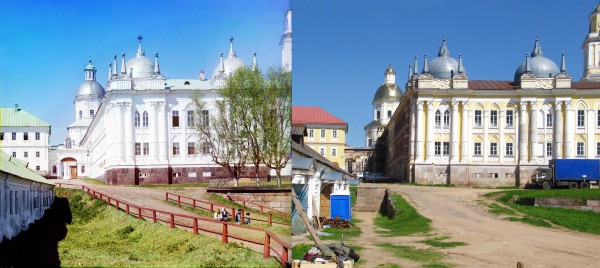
x,y
139,128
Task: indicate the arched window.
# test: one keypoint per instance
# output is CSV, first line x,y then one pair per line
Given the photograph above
x,y
68,143
145,119
438,118
549,119
136,119
446,118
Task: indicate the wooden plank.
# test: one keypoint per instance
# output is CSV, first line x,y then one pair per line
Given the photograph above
x,y
300,209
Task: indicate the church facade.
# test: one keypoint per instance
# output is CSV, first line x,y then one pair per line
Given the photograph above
x,y
139,128
450,129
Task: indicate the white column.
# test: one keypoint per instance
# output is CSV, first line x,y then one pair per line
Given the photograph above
x,y
558,129
533,132
523,132
412,129
486,148
129,140
162,132
153,129
466,134
455,133
120,129
501,143
569,131
591,129
420,129
430,119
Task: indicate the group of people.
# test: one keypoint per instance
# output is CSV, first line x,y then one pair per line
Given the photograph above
x,y
223,215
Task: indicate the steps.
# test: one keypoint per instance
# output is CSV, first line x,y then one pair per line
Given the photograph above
x,y
369,198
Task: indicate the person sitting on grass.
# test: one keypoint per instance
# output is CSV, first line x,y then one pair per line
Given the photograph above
x,y
224,215
238,217
247,218
217,216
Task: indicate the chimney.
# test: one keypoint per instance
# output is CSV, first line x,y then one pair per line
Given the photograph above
x,y
202,75
17,107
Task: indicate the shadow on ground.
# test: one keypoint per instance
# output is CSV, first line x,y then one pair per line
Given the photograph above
x,y
38,246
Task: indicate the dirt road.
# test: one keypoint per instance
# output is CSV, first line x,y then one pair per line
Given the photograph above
x,y
493,242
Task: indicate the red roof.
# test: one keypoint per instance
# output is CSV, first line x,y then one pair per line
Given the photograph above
x,y
509,85
585,85
314,115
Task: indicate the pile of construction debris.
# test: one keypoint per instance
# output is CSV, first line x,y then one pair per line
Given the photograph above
x,y
335,222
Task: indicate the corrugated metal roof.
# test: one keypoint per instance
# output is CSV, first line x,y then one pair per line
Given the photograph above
x,y
16,117
491,85
314,115
298,129
18,168
585,85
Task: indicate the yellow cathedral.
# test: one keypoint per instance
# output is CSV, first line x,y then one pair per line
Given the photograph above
x,y
448,129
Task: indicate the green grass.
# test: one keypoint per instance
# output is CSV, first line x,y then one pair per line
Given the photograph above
x,y
587,194
336,233
410,253
103,236
216,198
388,265
92,181
531,221
439,243
407,222
500,210
353,196
299,250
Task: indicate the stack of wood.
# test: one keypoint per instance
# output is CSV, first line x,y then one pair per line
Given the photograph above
x,y
335,222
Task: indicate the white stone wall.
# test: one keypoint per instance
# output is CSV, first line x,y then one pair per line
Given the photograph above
x,y
31,146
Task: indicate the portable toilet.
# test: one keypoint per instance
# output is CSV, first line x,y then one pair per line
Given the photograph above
x,y
341,206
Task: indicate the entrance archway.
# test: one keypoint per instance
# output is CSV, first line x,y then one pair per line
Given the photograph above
x,y
68,168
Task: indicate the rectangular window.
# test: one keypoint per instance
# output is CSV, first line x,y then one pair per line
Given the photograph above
x,y
54,169
322,133
145,119
37,154
80,114
334,134
378,115
598,148
37,168
580,150
446,148
205,118
322,151
175,117
494,118
206,148
14,136
580,118
1,136
389,113
509,118
548,148
493,148
138,148
548,119
477,148
190,148
176,148
146,148
311,133
25,136
14,154
437,147
334,152
91,113
509,149
37,136
446,118
190,118
25,154
82,169
478,118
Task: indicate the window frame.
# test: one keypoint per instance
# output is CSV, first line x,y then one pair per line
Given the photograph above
x,y
580,148
323,134
437,148
191,150
580,118
190,118
477,148
477,118
446,118
509,151
136,119
493,149
145,119
138,148
175,118
510,118
549,148
175,149
549,120
445,148
438,118
494,118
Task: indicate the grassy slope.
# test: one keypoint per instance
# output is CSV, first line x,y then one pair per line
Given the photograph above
x,y
407,222
101,236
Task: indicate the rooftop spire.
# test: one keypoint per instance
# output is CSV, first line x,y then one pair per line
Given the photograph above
x,y
114,66
390,75
254,64
288,20
221,64
527,67
425,64
416,66
460,66
123,67
140,52
444,52
90,72
110,71
231,51
537,49
563,64
156,66
409,71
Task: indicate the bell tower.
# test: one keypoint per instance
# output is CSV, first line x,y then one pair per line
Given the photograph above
x,y
591,48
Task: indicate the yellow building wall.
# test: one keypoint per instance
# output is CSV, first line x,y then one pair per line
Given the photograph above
x,y
328,143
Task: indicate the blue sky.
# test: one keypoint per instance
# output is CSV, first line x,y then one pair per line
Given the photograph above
x,y
45,45
342,48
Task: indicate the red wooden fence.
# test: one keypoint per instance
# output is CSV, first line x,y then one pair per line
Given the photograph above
x,y
261,207
270,243
197,203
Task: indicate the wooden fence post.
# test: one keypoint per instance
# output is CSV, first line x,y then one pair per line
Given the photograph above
x,y
212,209
261,209
117,206
284,254
139,213
167,196
179,199
267,246
271,219
108,200
154,216
195,226
172,221
224,237
194,203
284,217
127,209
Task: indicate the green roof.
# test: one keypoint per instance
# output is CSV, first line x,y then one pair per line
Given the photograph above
x,y
18,168
16,117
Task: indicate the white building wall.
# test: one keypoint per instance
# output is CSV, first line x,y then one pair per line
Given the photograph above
x,y
31,146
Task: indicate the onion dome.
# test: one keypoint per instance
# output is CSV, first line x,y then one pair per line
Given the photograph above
x,y
90,88
444,66
140,66
229,64
538,65
388,91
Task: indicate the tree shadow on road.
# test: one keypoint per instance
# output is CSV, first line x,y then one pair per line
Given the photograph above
x,y
38,246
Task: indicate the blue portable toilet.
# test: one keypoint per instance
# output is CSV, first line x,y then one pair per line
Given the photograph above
x,y
341,206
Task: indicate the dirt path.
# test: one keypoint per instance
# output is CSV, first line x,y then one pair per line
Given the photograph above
x,y
493,242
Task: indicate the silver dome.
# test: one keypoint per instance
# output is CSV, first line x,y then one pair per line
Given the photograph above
x,y
539,65
387,92
140,67
231,63
90,88
444,66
